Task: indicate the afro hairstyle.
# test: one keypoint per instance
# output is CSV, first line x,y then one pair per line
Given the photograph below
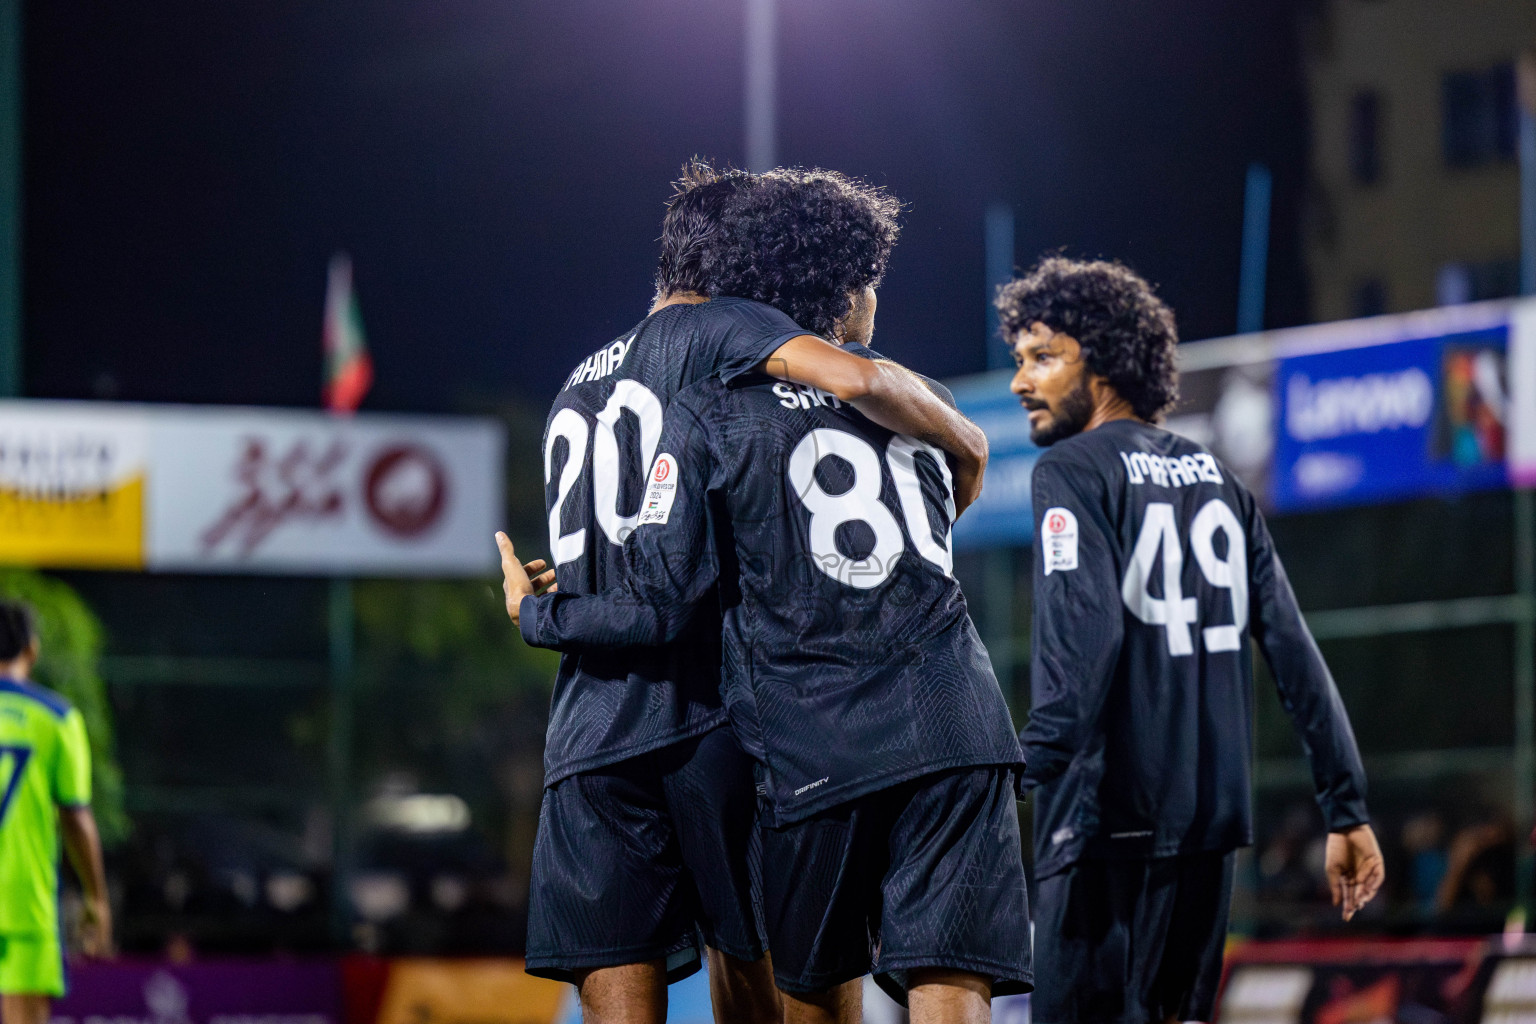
x,y
803,241
1127,333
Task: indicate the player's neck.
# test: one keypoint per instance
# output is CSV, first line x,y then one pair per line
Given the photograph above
x,y
18,670
677,299
1109,408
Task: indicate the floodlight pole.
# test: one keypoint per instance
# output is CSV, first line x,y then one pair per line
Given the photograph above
x,y
762,31
1255,259
10,198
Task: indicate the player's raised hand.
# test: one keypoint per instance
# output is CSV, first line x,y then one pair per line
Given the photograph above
x,y
519,580
1355,868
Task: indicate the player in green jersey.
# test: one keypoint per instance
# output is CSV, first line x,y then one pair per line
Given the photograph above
x,y
45,792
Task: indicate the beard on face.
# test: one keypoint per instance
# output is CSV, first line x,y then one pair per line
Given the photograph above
x,y
1070,417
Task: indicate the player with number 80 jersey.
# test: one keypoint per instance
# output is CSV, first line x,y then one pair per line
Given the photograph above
x,y
851,660
851,668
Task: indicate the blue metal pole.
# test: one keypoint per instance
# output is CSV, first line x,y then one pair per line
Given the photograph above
x,y
1250,288
998,230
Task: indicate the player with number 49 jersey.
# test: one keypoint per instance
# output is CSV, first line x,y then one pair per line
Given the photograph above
x,y
1155,567
852,674
1153,571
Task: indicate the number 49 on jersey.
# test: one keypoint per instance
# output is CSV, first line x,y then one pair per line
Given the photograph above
x,y
1159,536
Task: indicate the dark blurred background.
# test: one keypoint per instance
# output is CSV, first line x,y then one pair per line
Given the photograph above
x,y
497,171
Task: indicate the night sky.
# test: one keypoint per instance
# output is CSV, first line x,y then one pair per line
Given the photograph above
x,y
497,171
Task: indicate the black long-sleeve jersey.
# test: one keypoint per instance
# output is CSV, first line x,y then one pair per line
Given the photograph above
x,y
1153,568
850,660
599,441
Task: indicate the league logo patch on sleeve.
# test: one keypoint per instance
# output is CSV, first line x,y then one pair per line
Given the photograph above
x,y
1058,540
660,491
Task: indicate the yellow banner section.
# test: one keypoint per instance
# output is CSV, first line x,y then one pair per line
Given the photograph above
x,y
467,992
90,530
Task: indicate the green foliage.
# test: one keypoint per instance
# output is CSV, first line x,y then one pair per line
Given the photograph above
x,y
449,695
72,641
453,635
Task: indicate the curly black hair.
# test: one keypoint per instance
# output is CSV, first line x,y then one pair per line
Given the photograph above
x,y
1127,333
18,628
802,241
692,220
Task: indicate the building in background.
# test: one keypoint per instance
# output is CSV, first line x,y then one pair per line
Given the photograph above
x,y
1415,190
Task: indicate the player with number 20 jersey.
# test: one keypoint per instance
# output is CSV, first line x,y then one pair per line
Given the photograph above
x,y
631,733
647,828
852,673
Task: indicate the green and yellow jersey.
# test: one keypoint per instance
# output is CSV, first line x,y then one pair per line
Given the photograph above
x,y
45,763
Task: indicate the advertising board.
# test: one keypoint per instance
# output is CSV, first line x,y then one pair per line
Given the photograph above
x,y
1003,515
72,484
1435,402
1522,413
187,489
1308,981
1391,421
271,992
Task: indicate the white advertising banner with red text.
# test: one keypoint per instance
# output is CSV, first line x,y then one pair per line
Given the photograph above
x,y
189,489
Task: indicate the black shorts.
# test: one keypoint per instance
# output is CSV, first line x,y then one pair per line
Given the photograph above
x,y
1132,941
929,873
643,859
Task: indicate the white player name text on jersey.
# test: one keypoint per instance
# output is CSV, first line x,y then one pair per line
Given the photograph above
x,y
600,363
804,396
1171,470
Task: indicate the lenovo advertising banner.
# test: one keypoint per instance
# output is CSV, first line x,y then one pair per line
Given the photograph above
x,y
1436,402
1391,421
187,489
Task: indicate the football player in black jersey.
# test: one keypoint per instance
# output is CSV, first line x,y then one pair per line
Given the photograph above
x,y
853,674
1153,571
646,829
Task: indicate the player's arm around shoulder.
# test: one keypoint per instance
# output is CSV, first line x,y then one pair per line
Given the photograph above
x,y
891,396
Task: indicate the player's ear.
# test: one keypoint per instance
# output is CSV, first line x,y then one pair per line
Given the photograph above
x,y
1103,390
34,651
